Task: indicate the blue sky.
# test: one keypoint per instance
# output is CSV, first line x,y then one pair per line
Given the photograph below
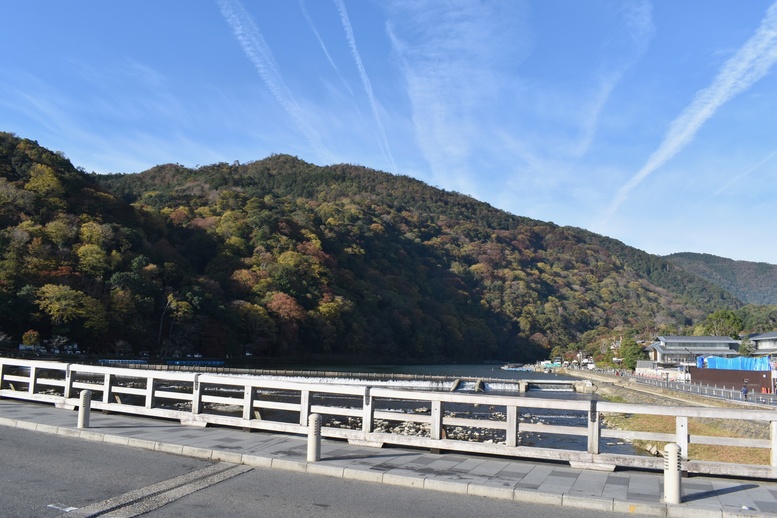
x,y
651,122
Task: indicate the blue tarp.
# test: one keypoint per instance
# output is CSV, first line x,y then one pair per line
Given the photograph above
x,y
739,363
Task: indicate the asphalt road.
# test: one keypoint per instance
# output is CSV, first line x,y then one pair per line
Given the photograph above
x,y
46,475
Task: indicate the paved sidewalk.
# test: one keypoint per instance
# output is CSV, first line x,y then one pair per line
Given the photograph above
x,y
623,491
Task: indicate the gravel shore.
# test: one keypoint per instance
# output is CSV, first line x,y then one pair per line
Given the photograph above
x,y
623,389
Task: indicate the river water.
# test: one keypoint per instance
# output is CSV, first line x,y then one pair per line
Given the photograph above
x,y
474,370
493,371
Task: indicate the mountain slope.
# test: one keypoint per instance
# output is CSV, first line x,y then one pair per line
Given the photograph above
x,y
279,258
754,283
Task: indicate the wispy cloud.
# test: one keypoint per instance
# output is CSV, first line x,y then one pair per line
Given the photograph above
x,y
450,54
750,63
625,48
258,52
60,120
384,145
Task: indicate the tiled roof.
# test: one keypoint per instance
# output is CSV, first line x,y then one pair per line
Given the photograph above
x,y
699,339
764,336
701,351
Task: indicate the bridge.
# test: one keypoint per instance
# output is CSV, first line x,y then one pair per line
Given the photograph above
x,y
375,416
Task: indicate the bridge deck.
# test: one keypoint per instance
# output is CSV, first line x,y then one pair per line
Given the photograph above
x,y
545,483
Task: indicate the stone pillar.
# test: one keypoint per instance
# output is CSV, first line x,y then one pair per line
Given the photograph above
x,y
85,408
314,438
672,493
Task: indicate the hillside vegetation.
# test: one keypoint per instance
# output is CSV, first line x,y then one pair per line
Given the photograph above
x,y
281,259
754,283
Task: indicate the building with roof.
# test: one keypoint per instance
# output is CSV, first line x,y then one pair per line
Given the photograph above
x,y
684,350
765,344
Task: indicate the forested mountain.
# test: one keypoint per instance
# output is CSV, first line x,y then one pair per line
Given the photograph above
x,y
754,283
281,259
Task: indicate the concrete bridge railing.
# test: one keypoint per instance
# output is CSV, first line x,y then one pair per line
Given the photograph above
x,y
358,414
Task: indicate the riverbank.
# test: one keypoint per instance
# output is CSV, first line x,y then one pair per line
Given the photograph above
x,y
625,390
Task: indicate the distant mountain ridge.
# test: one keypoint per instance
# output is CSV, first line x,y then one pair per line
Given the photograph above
x,y
282,259
751,282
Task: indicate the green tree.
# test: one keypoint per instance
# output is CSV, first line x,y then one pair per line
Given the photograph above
x,y
95,234
62,304
258,327
723,322
44,181
746,347
92,260
631,352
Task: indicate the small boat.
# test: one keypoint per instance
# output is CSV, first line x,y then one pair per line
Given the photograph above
x,y
513,367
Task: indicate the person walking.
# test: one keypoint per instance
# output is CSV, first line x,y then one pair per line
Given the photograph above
x,y
744,392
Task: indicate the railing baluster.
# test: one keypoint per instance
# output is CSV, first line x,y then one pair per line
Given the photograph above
x,y
436,424
368,412
594,429
196,395
150,385
773,438
68,388
682,434
107,387
304,407
512,426
32,378
248,402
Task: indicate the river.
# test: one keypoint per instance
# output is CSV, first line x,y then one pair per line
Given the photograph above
x,y
454,370
494,371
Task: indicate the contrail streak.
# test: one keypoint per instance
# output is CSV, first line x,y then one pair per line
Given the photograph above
x,y
384,145
751,62
257,51
744,173
323,47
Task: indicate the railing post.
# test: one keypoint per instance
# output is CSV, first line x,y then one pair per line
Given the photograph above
x,y
33,377
68,389
594,429
150,385
682,434
304,407
84,408
196,395
314,438
773,437
248,402
368,412
672,474
107,388
512,426
436,424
